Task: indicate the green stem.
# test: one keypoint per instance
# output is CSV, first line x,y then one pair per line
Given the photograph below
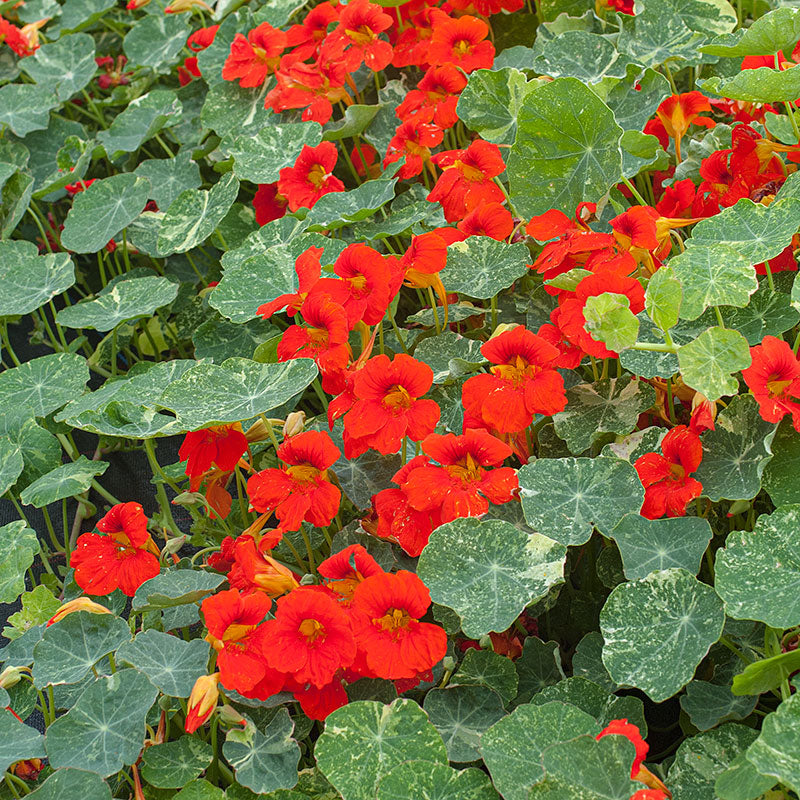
x,y
161,493
792,120
635,192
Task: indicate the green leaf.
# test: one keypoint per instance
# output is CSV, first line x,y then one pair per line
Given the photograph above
x,y
126,299
435,782
11,465
780,475
169,177
712,275
15,198
28,280
462,714
757,574
663,298
635,99
20,546
79,14
156,40
488,571
708,704
487,668
609,319
566,150
236,390
648,545
100,212
217,339
566,498
755,231
587,768
361,478
481,266
19,741
73,645
265,761
104,730
64,66
761,85
175,588
38,606
170,663
776,751
512,748
641,151
173,764
140,121
261,157
229,109
203,790
701,759
736,452
72,784
338,209
44,384
68,480
742,781
363,741
589,57
587,661
708,362
25,107
194,215
39,449
491,100
538,667
776,30
356,118
766,674
606,406
658,629
450,355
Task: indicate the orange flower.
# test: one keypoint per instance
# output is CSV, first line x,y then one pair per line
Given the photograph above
x,y
308,269
202,701
676,114
15,39
413,141
488,219
122,556
222,445
251,59
311,176
305,38
386,611
312,87
254,570
439,90
346,569
360,23
774,379
269,203
461,42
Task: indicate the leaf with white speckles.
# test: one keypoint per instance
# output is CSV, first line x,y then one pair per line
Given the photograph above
x,y
488,571
44,384
657,630
566,498
19,741
365,740
481,267
68,480
758,573
28,280
776,752
435,782
260,158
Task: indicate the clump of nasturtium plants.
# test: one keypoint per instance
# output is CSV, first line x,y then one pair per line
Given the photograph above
x,y
473,328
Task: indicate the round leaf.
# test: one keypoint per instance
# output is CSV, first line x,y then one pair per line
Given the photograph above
x,y
487,668
761,85
776,751
64,66
707,364
44,384
171,765
20,546
175,588
156,40
18,741
435,782
780,475
68,480
169,177
29,280
481,267
72,784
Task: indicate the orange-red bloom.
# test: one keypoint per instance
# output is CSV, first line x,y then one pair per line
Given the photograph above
x,y
621,727
522,383
438,90
312,87
357,34
413,141
253,58
488,219
465,483
300,489
311,176
122,556
461,42
269,203
254,570
222,445
317,703
667,485
344,570
16,39
774,380
386,611
305,38
676,114
310,637
202,701
236,632
308,269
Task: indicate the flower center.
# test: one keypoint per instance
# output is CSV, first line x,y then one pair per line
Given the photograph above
x,y
393,620
317,338
470,172
316,175
467,471
777,387
462,47
311,629
397,398
362,36
677,472
517,370
305,473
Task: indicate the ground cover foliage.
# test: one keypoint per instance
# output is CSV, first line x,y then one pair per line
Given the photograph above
x,y
477,324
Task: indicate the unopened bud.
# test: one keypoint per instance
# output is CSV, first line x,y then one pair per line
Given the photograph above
x,y
448,663
739,507
10,676
294,423
202,701
173,545
503,327
78,604
188,499
228,715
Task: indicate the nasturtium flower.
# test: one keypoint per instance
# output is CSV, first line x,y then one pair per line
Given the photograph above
x,y
438,89
413,141
674,116
299,490
122,556
488,219
487,7
77,604
461,42
254,57
253,569
360,23
774,379
343,571
202,701
386,610
311,176
307,266
310,638
312,87
315,702
220,445
668,487
16,39
523,382
306,37
268,203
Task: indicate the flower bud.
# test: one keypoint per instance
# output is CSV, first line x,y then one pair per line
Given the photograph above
x,y
11,676
202,701
294,423
28,769
173,545
78,604
228,715
187,499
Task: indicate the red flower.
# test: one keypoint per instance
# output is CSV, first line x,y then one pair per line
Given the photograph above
x,y
388,407
312,87
461,42
323,337
269,203
202,38
488,219
385,612
310,637
308,269
649,794
310,178
346,569
236,632
299,490
464,484
667,485
222,445
122,556
774,380
488,7
318,703
79,186
438,90
360,22
202,701
413,141
16,39
364,157
411,47
253,570
251,59
621,727
676,114
467,178
522,383
305,38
